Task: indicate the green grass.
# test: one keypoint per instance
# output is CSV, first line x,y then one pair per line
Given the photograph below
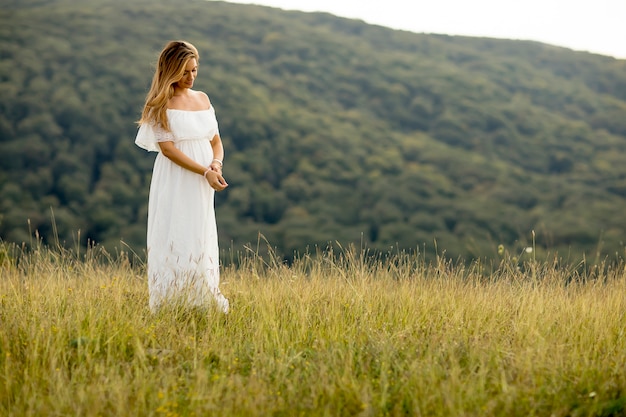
x,y
332,334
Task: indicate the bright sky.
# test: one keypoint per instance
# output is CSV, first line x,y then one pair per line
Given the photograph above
x,y
597,26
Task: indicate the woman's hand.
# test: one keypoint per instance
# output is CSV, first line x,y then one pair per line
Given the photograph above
x,y
216,167
213,173
215,179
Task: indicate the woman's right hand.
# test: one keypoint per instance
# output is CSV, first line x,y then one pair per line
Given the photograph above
x,y
215,180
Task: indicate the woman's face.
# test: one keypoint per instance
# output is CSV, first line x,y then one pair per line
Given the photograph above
x,y
191,70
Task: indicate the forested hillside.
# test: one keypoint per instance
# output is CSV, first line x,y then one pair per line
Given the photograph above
x,y
334,130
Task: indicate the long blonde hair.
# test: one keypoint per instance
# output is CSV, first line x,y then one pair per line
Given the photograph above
x,y
170,69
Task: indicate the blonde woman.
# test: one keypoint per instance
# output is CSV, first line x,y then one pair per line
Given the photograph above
x,y
180,124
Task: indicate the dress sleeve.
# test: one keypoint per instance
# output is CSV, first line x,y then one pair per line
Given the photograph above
x,y
149,135
217,127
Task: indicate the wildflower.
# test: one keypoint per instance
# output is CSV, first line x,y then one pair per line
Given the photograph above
x,y
500,249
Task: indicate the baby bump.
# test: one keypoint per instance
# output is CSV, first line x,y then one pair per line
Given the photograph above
x,y
198,150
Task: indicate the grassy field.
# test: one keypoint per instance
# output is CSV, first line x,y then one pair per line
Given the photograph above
x,y
337,334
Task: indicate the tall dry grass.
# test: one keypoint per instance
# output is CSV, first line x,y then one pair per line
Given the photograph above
x,y
332,334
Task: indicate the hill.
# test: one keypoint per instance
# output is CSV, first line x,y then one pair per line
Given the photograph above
x,y
335,130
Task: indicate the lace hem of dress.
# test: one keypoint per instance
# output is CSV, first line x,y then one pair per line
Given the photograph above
x,y
163,136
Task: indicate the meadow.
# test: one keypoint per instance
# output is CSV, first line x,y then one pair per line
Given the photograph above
x,y
337,333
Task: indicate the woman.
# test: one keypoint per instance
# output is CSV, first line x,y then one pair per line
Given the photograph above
x,y
180,124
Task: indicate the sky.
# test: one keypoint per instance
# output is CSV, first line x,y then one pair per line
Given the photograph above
x,y
597,26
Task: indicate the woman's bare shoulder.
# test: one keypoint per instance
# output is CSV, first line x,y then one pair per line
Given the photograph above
x,y
202,98
192,101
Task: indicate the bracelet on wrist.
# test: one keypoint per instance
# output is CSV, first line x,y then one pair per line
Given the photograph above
x,y
206,172
219,161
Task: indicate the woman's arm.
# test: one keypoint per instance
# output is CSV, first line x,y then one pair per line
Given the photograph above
x,y
174,154
218,154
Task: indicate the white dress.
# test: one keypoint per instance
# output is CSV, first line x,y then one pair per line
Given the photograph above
x,y
183,255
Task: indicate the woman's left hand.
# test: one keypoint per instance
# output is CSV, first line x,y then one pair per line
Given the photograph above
x,y
216,167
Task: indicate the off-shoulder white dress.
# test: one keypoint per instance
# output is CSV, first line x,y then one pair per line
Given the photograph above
x,y
183,254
